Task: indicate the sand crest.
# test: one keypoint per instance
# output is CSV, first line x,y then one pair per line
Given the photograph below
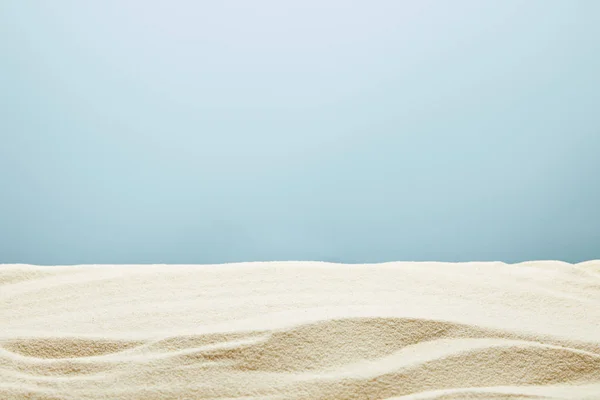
x,y
301,330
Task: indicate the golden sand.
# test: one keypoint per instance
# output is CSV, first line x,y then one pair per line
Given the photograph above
x,y
301,330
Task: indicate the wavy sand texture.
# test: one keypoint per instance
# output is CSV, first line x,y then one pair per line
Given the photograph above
x,y
301,330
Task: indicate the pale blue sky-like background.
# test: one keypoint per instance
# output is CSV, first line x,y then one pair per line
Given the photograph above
x,y
136,131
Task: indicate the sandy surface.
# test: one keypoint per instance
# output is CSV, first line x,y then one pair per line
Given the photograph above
x,y
301,330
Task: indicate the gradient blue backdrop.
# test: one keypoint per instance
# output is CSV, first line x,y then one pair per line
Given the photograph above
x,y
358,131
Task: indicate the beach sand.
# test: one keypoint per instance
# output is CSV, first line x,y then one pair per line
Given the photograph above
x,y
301,330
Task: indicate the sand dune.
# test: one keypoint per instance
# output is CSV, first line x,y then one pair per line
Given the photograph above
x,y
301,330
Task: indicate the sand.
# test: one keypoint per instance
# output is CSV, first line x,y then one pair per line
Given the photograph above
x,y
301,330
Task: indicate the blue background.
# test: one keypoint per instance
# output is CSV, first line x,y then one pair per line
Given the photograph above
x,y
351,131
